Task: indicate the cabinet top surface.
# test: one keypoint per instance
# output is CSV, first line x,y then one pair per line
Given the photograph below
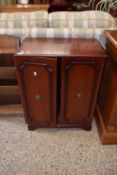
x,y
61,47
29,7
112,36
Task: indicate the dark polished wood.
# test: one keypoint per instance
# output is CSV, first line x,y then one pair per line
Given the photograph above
x,y
106,113
37,80
24,8
9,91
62,48
59,81
80,81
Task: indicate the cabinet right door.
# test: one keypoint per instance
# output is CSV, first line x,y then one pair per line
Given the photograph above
x,y
80,79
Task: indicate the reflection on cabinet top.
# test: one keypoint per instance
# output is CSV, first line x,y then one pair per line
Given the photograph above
x,y
112,36
111,44
61,47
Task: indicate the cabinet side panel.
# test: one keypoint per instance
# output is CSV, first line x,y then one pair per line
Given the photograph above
x,y
108,95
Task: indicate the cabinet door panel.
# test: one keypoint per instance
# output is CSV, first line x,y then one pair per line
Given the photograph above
x,y
39,85
108,95
78,86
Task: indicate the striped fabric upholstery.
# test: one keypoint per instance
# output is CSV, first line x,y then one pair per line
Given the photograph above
x,y
84,19
24,19
58,33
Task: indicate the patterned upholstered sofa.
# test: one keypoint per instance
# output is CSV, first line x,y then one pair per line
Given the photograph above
x,y
85,24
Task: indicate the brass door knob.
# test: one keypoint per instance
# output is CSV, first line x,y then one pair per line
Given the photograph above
x,y
37,97
79,96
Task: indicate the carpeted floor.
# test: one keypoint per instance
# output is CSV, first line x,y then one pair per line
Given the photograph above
x,y
53,151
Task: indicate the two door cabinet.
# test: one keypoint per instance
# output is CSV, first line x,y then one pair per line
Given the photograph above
x,y
59,81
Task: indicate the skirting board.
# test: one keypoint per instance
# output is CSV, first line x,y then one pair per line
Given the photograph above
x,y
106,137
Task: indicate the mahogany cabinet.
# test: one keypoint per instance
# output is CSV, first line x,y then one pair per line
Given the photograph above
x,y
9,91
23,8
106,111
59,81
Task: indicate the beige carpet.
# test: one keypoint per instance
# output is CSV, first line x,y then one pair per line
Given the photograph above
x,y
53,151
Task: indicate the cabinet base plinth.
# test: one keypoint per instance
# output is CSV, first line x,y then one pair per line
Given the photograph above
x,y
32,127
83,125
106,137
86,127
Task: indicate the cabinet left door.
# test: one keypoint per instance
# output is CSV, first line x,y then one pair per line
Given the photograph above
x,y
37,81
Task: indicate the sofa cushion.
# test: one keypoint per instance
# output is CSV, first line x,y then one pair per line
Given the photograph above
x,y
91,19
24,19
